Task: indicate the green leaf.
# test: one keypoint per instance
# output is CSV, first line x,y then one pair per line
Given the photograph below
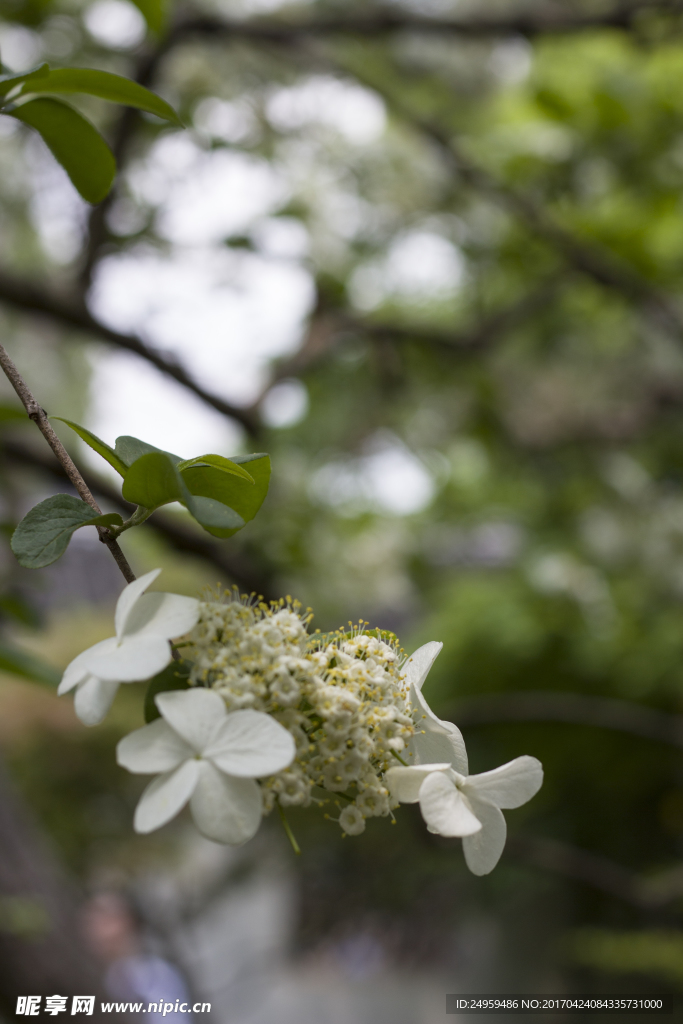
x,y
94,442
218,462
174,677
8,81
74,143
213,514
153,480
245,498
105,85
44,533
128,449
154,13
20,663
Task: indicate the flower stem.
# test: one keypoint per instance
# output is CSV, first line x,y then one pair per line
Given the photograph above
x,y
399,758
141,513
288,831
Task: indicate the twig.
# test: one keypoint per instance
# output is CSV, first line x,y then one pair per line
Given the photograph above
x,y
39,417
236,564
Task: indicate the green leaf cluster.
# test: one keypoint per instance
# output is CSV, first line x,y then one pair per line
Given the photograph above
x,y
74,142
221,494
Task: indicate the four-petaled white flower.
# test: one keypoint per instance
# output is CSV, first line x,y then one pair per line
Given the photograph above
x,y
452,802
209,757
145,623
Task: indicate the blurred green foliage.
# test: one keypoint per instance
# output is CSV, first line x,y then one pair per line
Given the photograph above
x,y
463,322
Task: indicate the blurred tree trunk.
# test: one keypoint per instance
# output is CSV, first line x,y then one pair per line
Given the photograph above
x,y
41,948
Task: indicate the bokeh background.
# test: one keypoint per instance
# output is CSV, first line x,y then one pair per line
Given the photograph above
x,y
429,255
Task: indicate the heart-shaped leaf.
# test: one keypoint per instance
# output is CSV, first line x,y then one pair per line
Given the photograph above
x,y
245,498
218,462
97,445
104,84
74,143
44,533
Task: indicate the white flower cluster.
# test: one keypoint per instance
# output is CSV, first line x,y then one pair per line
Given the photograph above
x,y
273,716
341,697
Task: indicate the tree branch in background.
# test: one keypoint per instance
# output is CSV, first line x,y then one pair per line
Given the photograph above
x,y
386,22
327,329
573,708
602,266
124,130
39,417
32,299
599,872
236,565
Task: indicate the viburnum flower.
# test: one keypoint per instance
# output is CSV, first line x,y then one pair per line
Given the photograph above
x,y
452,802
145,623
208,756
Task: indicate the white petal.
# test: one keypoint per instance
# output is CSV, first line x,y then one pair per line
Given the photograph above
x,y
404,783
419,663
435,740
483,850
194,714
164,615
154,748
77,670
129,660
129,596
251,744
165,796
93,698
225,809
509,786
445,809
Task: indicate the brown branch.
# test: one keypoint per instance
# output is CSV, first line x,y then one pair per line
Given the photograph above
x,y
32,299
573,708
235,564
599,872
39,417
326,330
386,22
128,119
460,343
